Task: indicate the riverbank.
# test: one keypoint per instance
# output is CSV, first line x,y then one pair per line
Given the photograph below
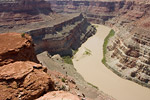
x,y
93,71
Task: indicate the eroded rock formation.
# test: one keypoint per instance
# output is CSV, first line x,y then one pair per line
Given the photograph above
x,y
23,80
128,50
16,47
20,77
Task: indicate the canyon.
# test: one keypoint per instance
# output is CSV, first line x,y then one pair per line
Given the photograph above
x,y
30,28
127,53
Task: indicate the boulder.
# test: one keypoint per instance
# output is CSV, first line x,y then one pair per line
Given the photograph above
x,y
22,80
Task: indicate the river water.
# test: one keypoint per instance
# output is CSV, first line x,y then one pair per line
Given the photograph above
x,y
90,67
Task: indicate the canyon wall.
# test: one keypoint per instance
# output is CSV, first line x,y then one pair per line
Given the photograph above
x,y
23,5
22,11
63,37
128,51
97,11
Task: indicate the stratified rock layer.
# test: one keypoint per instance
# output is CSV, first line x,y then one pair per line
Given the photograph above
x,y
22,11
128,51
64,36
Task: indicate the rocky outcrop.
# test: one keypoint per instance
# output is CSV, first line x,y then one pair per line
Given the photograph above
x,y
16,47
63,37
23,80
20,77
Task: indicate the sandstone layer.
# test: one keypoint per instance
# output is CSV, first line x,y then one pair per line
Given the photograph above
x,y
20,77
24,81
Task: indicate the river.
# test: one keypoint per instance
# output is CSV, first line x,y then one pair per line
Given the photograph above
x,y
90,67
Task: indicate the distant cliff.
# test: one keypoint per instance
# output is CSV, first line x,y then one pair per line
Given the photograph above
x,y
24,6
19,12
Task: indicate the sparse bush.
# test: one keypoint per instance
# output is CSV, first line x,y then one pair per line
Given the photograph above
x,y
87,52
67,59
63,79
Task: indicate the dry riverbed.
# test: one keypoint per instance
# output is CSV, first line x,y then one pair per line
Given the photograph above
x,y
88,63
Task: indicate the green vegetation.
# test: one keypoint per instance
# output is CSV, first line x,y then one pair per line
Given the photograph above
x,y
23,35
111,33
87,52
63,79
93,85
67,59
